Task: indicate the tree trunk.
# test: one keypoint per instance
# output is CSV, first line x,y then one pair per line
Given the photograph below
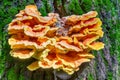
x,y
106,64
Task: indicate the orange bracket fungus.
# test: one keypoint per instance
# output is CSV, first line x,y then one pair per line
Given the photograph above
x,y
62,47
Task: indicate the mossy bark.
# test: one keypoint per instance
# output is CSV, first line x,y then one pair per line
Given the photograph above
x,y
106,64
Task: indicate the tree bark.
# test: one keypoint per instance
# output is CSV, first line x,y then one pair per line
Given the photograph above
x,y
106,64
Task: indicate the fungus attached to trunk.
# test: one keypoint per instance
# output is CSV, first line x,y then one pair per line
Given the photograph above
x,y
65,47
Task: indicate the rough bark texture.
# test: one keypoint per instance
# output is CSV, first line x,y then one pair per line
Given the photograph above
x,y
106,65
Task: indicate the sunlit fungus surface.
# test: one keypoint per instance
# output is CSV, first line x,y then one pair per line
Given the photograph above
x,y
59,43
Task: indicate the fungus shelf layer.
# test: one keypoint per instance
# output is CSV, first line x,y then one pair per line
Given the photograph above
x,y
65,46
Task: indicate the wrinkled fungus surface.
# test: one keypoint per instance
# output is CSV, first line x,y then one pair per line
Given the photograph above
x,y
58,43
